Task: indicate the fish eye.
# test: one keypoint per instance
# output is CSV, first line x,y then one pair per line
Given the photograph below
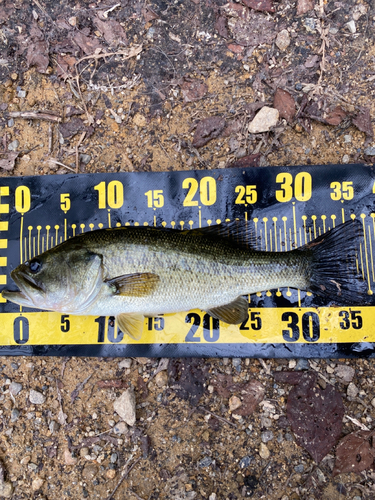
x,y
35,265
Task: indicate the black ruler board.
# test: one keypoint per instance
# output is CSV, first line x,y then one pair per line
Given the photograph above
x,y
286,207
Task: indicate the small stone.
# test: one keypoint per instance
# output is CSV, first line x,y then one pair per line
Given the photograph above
x,y
73,20
125,363
54,426
299,468
225,361
264,120
89,472
212,496
10,122
302,364
13,145
6,490
310,24
370,151
236,362
124,406
32,466
68,458
84,452
205,462
15,388
348,139
264,452
234,403
14,415
267,436
351,26
245,462
85,159
113,458
120,428
345,159
36,398
352,390
139,120
161,379
110,473
37,483
283,40
14,76
373,402
21,93
345,373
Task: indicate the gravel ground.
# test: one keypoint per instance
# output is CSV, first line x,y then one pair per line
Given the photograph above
x,y
148,428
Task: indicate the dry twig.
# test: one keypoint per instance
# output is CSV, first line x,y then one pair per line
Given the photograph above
x,y
32,115
124,474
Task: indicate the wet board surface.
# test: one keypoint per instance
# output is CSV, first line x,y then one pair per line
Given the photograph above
x,y
285,207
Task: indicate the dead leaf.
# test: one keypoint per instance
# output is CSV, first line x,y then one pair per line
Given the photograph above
x,y
285,104
304,6
148,14
246,161
315,416
251,393
261,5
252,108
336,116
363,122
113,32
8,159
37,50
221,26
87,44
354,453
71,128
193,90
187,378
65,66
232,128
208,129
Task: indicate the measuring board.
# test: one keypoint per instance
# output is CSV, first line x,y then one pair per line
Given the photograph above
x,y
285,207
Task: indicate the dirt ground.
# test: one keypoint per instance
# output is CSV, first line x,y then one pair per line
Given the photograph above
x,y
125,87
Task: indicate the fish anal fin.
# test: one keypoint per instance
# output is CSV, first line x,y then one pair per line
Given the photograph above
x,y
135,285
233,313
131,324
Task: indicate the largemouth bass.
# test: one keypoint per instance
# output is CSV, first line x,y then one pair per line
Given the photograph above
x,y
133,272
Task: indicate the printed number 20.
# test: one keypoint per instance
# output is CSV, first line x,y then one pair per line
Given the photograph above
x,y
211,332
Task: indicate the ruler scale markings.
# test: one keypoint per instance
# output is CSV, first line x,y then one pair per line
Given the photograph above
x,y
369,291
269,242
371,254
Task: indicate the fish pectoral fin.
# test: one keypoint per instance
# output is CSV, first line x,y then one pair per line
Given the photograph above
x,y
233,313
131,324
135,285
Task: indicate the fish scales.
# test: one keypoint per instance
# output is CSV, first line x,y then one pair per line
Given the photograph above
x,y
194,271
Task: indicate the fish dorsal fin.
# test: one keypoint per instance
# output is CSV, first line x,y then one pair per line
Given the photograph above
x,y
131,324
136,284
233,313
237,231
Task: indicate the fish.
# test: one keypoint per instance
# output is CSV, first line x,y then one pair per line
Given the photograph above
x,y
134,272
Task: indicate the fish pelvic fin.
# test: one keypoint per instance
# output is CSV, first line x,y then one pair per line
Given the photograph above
x,y
131,324
135,285
335,271
234,313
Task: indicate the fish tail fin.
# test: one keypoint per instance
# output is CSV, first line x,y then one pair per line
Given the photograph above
x,y
335,271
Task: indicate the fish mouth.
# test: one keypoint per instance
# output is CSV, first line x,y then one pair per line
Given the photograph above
x,y
26,284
